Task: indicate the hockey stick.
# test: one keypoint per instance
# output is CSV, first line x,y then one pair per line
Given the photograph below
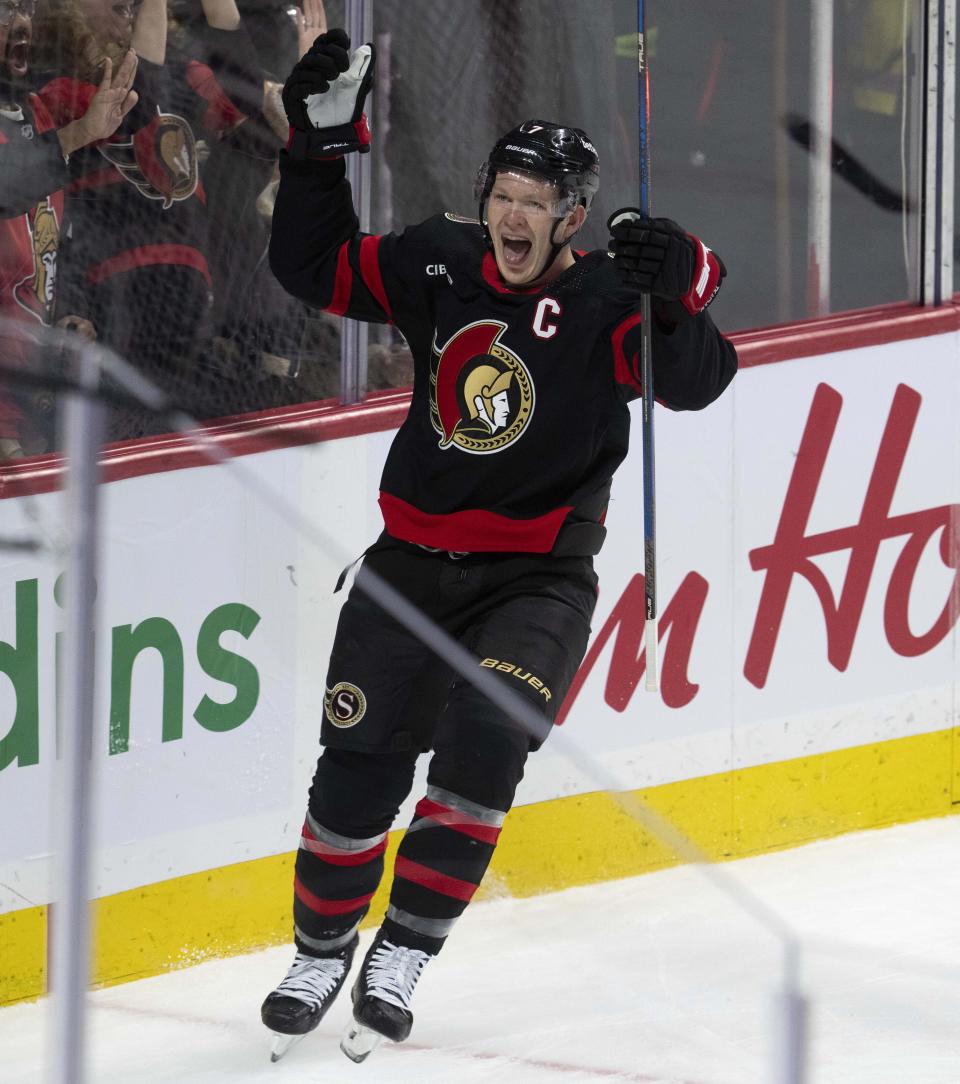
x,y
849,168
646,373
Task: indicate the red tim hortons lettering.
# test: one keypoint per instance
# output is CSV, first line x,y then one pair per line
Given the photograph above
x,y
792,551
628,660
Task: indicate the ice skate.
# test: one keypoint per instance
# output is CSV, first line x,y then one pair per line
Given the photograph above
x,y
381,997
300,1001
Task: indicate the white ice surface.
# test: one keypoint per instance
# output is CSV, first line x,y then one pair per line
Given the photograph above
x,y
654,980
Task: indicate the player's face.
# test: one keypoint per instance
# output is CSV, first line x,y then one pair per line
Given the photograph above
x,y
522,214
15,31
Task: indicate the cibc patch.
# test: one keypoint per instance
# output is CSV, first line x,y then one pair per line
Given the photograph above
x,y
344,704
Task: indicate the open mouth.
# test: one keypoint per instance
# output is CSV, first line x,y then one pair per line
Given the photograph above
x,y
515,250
18,57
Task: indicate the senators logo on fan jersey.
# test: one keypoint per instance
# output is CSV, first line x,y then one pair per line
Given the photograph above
x,y
160,159
481,394
35,293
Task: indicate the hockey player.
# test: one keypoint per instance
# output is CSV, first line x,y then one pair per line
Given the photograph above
x,y
493,498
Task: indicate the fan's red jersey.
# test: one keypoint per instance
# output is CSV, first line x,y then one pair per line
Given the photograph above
x,y
519,413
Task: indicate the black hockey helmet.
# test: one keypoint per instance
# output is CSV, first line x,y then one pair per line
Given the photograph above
x,y
564,156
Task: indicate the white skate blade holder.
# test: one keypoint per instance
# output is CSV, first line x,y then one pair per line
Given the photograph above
x,y
281,1044
357,1041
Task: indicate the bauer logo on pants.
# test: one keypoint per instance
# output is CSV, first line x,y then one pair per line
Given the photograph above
x,y
344,704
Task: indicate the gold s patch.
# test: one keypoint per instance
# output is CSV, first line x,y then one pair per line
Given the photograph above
x,y
344,705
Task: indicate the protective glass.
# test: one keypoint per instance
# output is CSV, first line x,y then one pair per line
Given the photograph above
x,y
533,196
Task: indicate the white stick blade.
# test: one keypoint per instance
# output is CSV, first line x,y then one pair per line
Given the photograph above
x,y
650,646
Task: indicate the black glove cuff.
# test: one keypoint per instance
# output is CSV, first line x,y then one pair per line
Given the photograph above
x,y
327,143
326,173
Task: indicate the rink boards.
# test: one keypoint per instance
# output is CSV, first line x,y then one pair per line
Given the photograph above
x,y
808,602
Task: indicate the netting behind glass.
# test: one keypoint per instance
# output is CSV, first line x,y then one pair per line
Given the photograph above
x,y
154,241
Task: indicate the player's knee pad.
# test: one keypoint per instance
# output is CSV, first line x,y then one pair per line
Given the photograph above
x,y
479,759
359,794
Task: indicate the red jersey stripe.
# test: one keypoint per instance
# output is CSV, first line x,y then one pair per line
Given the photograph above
x,y
473,530
222,113
148,256
343,283
436,882
623,371
327,907
370,272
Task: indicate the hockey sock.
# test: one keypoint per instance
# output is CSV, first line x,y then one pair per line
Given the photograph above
x,y
335,879
441,861
353,801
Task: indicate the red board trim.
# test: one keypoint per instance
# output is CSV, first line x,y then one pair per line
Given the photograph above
x,y
313,423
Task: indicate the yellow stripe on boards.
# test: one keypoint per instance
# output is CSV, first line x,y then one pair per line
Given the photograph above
x,y
544,847
591,837
868,786
176,923
23,954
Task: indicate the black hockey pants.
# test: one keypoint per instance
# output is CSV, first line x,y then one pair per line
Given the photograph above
x,y
526,619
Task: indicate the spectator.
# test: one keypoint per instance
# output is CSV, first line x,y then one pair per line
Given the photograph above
x,y
138,254
33,172
270,343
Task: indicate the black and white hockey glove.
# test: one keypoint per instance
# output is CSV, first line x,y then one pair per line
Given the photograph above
x,y
656,256
323,99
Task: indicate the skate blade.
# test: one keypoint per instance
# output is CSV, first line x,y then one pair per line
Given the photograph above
x,y
357,1041
281,1044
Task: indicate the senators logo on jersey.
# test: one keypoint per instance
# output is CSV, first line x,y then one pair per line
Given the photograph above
x,y
35,293
160,159
481,394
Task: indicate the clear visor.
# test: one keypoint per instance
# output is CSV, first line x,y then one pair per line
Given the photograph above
x,y
515,190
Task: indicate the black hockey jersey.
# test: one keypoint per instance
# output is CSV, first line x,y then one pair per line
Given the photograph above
x,y
519,413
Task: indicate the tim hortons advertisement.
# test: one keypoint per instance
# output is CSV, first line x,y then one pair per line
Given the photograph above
x,y
808,597
807,559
